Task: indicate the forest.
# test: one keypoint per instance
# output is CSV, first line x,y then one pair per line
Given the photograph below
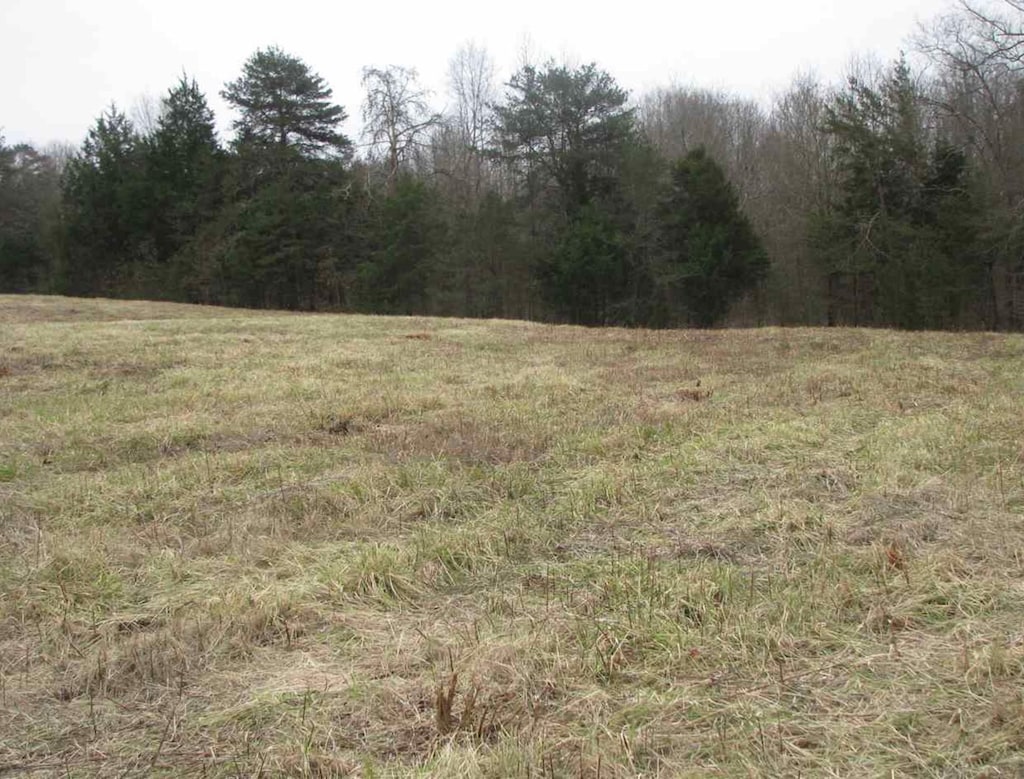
x,y
892,199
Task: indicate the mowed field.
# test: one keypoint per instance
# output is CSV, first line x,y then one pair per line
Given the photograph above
x,y
257,544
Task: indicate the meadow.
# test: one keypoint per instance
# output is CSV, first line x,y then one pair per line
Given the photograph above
x,y
239,543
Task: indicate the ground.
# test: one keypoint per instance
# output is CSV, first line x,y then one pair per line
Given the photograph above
x,y
240,544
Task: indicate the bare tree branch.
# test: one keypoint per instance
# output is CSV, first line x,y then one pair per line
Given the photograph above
x,y
396,115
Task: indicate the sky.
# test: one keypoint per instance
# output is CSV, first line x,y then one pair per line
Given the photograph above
x,y
63,61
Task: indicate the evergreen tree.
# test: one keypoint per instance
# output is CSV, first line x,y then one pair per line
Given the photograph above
x,y
285,105
486,269
29,194
587,275
565,132
105,209
711,255
905,222
183,168
275,242
568,126
277,246
406,240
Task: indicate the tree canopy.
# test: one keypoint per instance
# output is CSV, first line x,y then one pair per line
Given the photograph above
x,y
282,103
568,125
893,198
711,254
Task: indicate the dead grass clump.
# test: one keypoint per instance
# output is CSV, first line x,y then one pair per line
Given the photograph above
x,y
310,765
379,572
921,516
490,683
645,375
143,664
880,619
136,370
837,483
828,386
695,394
221,441
992,662
468,711
77,453
340,425
145,656
30,365
464,440
703,550
307,511
80,578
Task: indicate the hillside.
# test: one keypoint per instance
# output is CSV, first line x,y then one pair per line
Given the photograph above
x,y
235,544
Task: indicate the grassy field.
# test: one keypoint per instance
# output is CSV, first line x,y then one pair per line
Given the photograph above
x,y
240,544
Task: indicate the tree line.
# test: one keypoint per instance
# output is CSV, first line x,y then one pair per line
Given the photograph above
x,y
894,199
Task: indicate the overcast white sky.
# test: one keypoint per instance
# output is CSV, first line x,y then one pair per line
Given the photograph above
x,y
62,61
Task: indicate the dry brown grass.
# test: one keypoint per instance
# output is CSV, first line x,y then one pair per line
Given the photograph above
x,y
238,545
27,309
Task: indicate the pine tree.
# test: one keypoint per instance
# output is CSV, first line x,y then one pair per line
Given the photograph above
x,y
285,105
566,132
905,222
183,165
711,255
567,125
406,238
29,195
274,243
587,275
105,208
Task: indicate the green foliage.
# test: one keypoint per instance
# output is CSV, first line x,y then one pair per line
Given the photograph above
x,y
278,246
561,205
276,240
566,126
906,218
710,253
587,274
105,210
569,131
285,105
29,191
184,168
133,204
879,145
407,238
487,268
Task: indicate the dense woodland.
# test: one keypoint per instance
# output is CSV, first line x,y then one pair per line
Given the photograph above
x,y
893,199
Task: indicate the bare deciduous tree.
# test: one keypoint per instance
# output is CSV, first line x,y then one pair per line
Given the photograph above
x,y
396,115
145,113
460,142
979,52
978,94
679,119
795,160
471,83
